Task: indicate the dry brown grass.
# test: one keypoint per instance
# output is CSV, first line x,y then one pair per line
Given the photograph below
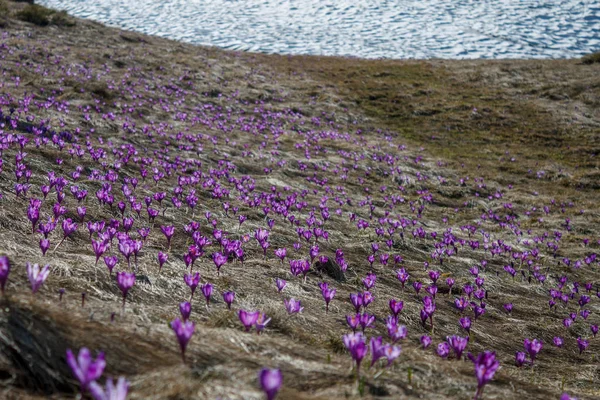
x,y
545,113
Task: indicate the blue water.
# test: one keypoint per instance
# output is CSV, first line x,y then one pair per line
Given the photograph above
x,y
364,28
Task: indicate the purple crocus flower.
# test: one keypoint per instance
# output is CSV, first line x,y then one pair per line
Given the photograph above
x,y
558,341
126,248
443,349
44,246
125,281
111,391
281,284
465,323
357,301
192,280
355,343
270,381
353,321
281,253
84,367
4,271
162,259
37,276
168,231
328,295
219,259
486,366
110,262
377,349
207,290
293,306
184,332
261,322
228,298
185,309
425,341
533,347
520,358
458,344
582,344
396,307
248,318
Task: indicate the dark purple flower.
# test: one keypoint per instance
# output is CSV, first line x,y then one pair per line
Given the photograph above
x,y
125,281
168,231
458,344
192,280
185,309
520,358
228,298
162,259
558,341
486,366
396,306
582,344
219,259
207,290
533,347
184,332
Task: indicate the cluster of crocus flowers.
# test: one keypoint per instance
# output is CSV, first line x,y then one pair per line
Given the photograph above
x,y
391,213
356,344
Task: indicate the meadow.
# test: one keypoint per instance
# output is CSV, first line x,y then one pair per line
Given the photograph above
x,y
195,223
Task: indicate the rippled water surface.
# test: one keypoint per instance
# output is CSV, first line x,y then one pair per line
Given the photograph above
x,y
365,28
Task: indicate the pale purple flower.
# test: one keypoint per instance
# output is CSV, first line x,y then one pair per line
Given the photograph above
x,y
293,306
270,381
84,367
261,322
281,284
111,391
37,276
248,318
185,308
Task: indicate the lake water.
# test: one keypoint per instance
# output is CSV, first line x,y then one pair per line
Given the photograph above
x,y
363,28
